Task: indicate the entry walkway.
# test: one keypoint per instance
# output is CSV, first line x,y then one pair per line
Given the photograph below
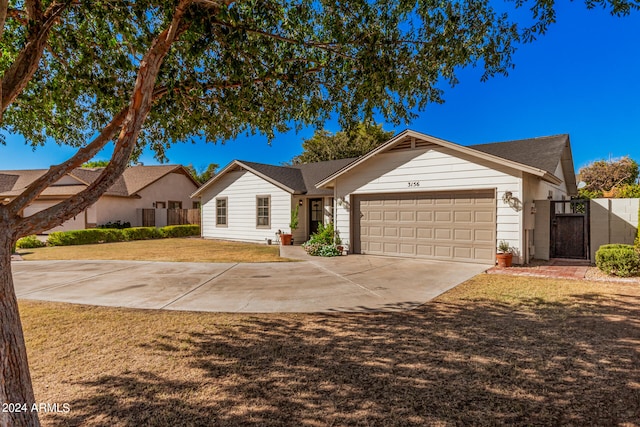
x,y
555,268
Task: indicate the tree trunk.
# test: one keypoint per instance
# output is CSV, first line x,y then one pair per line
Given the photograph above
x,y
15,382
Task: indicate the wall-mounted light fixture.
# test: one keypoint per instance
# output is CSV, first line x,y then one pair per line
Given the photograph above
x,y
343,203
513,202
300,202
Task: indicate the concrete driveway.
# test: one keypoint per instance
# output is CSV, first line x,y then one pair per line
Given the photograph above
x,y
354,283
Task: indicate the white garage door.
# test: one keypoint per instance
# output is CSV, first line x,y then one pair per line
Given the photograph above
x,y
458,226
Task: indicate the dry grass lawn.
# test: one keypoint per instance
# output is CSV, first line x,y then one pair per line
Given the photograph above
x,y
182,250
497,350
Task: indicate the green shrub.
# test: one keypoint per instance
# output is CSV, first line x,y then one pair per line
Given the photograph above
x,y
619,260
85,237
323,242
325,235
142,233
180,230
107,235
29,242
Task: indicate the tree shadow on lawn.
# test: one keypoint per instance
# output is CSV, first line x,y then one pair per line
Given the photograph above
x,y
462,363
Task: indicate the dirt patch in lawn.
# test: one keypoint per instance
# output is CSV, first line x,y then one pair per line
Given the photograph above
x,y
495,350
179,250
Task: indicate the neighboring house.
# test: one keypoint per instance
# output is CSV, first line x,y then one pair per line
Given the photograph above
x,y
414,196
139,188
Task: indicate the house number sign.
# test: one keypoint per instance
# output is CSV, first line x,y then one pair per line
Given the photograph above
x,y
414,184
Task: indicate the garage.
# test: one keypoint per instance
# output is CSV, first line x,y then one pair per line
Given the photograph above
x,y
453,226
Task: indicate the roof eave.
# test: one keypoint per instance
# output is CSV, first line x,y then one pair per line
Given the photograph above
x,y
230,167
442,143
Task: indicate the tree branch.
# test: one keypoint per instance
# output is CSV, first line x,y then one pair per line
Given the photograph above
x,y
83,155
17,76
139,107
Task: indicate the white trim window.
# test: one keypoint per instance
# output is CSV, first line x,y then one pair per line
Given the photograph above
x,y
221,212
263,211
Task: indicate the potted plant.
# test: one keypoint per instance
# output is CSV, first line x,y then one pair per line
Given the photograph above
x,y
287,238
504,255
294,220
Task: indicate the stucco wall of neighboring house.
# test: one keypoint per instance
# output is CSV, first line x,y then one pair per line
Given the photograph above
x,y
241,188
171,187
75,223
613,221
437,169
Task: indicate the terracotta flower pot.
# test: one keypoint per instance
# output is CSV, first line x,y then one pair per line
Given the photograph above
x,y
504,259
285,239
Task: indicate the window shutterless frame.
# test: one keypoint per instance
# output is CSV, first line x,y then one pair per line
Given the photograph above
x,y
221,212
263,211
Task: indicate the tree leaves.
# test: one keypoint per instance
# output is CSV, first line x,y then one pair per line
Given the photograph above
x,y
603,176
355,142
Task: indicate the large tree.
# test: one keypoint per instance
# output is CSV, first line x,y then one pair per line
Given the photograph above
x,y
324,145
609,176
147,73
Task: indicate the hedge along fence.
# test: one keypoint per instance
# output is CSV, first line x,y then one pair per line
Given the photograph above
x,y
110,235
618,259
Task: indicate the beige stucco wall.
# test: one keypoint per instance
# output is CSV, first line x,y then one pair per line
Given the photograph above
x,y
75,223
613,221
173,186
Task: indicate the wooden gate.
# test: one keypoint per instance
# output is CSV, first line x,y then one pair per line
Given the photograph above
x,y
183,216
570,229
148,217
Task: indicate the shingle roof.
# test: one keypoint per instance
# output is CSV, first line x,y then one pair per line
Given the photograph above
x,y
312,173
543,153
300,178
290,177
133,180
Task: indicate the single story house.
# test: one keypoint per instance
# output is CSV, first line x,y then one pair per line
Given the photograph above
x,y
139,188
413,196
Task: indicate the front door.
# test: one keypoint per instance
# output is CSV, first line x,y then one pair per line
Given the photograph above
x,y
316,214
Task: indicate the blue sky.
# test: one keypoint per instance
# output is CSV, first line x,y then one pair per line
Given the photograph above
x,y
581,78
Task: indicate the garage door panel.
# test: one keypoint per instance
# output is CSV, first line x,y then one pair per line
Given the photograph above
x,y
443,251
424,216
375,247
373,216
463,235
390,231
463,216
407,250
463,253
443,233
390,248
443,216
375,232
407,216
484,254
424,233
390,216
451,226
424,250
485,217
408,232
483,236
